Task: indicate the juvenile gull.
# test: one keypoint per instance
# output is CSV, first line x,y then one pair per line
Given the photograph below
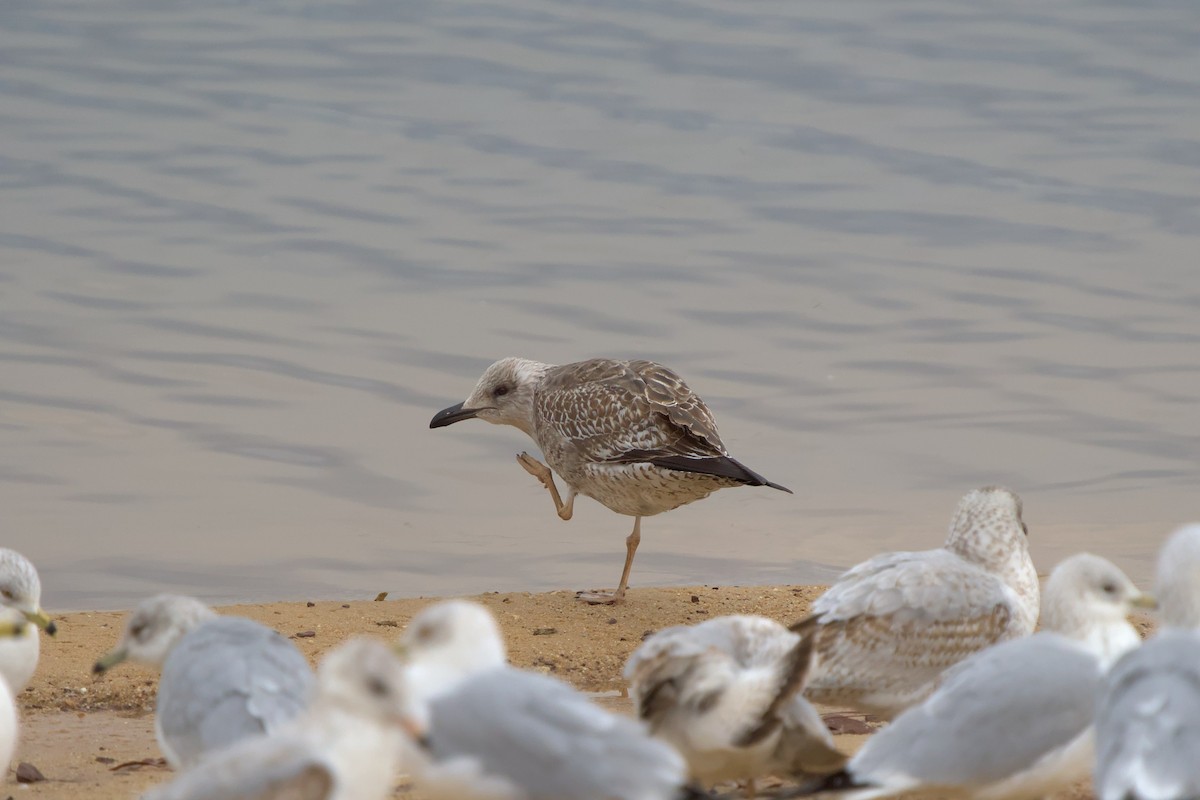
x,y
726,694
629,434
345,746
223,678
1012,722
889,627
1148,715
21,590
499,733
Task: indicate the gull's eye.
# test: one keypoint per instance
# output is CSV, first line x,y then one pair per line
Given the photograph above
x,y
1109,588
137,630
500,391
8,594
377,687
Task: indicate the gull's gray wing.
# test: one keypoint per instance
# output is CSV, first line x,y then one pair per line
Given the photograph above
x,y
228,679
1148,722
993,717
540,734
264,768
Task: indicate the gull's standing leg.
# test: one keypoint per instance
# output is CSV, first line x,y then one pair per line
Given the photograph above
x,y
612,598
540,471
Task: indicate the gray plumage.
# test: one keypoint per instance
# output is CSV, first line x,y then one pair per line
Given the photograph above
x,y
1148,722
229,678
996,715
1148,715
262,769
345,745
508,733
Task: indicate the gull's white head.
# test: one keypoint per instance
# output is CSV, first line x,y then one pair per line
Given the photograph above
x,y
503,396
364,677
1177,582
1089,598
20,588
450,641
153,628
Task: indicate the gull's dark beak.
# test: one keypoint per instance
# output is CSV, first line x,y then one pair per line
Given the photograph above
x,y
451,415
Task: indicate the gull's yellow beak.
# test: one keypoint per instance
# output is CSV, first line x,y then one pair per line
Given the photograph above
x,y
109,660
1145,601
42,620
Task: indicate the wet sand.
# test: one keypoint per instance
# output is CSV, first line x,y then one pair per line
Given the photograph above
x,y
77,729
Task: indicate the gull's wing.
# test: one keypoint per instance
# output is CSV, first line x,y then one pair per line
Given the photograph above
x,y
892,624
264,768
624,412
539,734
228,679
1148,722
995,716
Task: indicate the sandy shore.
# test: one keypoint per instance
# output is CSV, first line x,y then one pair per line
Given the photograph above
x,y
77,730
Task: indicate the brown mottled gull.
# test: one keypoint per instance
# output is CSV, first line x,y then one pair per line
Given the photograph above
x,y
629,434
889,627
726,694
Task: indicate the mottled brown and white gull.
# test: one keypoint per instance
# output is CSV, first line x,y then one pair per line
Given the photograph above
x,y
629,434
726,694
891,625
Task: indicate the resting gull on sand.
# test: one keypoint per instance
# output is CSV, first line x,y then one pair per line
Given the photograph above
x,y
629,434
345,746
889,627
1013,722
21,589
499,733
726,694
1148,716
223,678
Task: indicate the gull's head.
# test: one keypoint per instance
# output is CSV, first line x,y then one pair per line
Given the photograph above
x,y
1177,582
364,677
1089,598
503,396
20,588
990,509
450,641
153,628
987,527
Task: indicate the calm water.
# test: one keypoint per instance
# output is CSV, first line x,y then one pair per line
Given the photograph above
x,y
902,249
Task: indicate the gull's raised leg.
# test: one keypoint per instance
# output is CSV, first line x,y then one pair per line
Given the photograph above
x,y
612,598
540,471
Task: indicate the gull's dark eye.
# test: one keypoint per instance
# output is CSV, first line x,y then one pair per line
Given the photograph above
x,y
1109,588
8,595
500,391
377,687
137,630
